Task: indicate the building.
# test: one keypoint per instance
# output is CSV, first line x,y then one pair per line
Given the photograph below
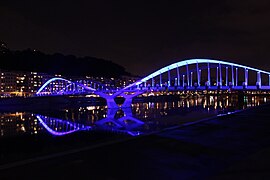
x,y
8,83
18,83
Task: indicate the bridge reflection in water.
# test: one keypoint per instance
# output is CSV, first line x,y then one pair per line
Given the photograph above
x,y
58,127
124,124
154,115
144,117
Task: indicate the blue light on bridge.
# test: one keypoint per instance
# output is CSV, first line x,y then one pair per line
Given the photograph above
x,y
189,62
141,86
56,133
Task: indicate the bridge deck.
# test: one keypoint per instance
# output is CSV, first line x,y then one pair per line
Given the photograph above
x,y
192,88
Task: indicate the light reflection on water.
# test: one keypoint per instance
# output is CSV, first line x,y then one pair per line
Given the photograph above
x,y
59,127
141,118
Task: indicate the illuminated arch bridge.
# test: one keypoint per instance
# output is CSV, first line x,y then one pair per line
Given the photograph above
x,y
192,74
61,86
205,73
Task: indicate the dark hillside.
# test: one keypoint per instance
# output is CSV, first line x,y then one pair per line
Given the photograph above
x,y
68,65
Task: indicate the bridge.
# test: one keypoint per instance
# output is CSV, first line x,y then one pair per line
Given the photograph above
x,y
192,74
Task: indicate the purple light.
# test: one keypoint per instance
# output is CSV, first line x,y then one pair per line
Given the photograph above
x,y
62,79
55,133
188,62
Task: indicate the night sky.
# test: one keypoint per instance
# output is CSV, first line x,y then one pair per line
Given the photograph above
x,y
141,36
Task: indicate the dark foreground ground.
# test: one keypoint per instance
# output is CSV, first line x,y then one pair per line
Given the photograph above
x,y
236,146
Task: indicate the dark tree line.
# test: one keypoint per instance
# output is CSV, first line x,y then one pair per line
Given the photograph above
x,y
68,65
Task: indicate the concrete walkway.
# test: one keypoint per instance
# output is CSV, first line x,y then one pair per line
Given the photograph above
x,y
229,147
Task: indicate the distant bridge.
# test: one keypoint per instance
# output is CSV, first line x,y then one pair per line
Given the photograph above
x,y
192,74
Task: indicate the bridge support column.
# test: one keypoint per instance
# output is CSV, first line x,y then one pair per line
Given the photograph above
x,y
246,76
269,80
198,74
220,75
127,103
187,75
113,108
217,77
183,80
191,77
232,76
226,76
236,76
259,80
208,74
169,78
111,104
178,76
73,87
160,80
153,82
128,116
109,119
129,97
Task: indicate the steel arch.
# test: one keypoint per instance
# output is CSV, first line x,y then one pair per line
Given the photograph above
x,y
189,62
62,79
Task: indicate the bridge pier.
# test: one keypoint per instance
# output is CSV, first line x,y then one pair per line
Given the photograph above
x,y
128,116
127,103
160,80
191,77
226,82
198,74
208,74
187,75
236,76
217,83
111,104
109,119
169,78
232,76
183,80
178,76
129,97
259,80
121,122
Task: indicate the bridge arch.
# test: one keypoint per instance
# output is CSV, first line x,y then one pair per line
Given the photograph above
x,y
225,77
63,85
175,66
